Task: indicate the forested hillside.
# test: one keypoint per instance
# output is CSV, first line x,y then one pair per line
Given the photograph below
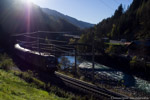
x,y
18,16
131,24
72,20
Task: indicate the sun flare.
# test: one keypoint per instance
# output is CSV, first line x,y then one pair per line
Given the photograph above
x,y
29,1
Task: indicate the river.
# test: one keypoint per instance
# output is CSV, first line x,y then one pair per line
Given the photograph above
x,y
129,80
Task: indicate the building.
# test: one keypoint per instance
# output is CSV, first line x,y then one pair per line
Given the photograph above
x,y
139,48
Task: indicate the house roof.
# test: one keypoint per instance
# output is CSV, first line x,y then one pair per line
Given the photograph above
x,y
142,42
145,43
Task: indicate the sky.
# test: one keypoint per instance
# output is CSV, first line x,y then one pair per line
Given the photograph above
x,y
92,11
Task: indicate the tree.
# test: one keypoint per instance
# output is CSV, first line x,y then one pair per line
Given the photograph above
x,y
118,12
65,63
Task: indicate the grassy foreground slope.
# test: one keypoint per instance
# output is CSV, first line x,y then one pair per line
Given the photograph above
x,y
26,85
14,88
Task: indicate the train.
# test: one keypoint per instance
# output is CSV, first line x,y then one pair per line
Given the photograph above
x,y
42,61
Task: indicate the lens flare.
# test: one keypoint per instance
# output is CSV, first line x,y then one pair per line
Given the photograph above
x,y
29,1
28,15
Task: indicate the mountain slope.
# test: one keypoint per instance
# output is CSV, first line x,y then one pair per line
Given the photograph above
x,y
19,16
72,20
131,25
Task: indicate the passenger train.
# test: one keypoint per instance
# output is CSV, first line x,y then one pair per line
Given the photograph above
x,y
43,61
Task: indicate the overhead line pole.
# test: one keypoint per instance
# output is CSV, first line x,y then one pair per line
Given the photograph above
x,y
38,44
75,59
93,56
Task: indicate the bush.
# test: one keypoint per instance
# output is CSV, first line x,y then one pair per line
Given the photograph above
x,y
6,62
134,58
132,64
82,78
59,92
110,49
116,49
138,65
28,76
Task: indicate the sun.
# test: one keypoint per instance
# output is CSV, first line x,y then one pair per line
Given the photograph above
x,y
29,1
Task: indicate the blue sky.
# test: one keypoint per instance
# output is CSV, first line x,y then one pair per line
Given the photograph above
x,y
92,11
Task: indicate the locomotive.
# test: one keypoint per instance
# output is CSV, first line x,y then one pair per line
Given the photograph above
x,y
43,61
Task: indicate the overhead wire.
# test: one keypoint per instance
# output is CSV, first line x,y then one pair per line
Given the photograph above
x,y
44,39
107,5
57,46
52,32
54,48
21,34
49,49
29,33
116,1
26,42
44,44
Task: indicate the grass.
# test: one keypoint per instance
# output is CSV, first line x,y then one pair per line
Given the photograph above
x,y
17,85
14,88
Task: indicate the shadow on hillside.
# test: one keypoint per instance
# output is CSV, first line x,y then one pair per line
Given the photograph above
x,y
129,80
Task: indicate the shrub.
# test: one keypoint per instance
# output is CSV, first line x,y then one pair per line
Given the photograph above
x,y
59,92
134,58
82,78
39,83
28,76
6,63
110,49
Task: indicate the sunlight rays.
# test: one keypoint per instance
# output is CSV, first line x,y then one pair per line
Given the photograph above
x,y
28,15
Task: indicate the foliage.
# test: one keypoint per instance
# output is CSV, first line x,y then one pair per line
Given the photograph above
x,y
110,49
133,62
134,58
71,41
115,49
14,88
56,91
29,78
65,63
6,62
130,24
14,18
139,65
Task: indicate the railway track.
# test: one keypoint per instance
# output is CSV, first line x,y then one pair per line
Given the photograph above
x,y
91,88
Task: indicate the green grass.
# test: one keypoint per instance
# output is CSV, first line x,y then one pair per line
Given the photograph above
x,y
14,88
17,85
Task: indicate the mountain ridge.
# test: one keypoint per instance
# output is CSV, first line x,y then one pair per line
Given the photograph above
x,y
74,21
132,24
19,16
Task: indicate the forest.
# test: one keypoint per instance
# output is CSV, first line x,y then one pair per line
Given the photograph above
x,y
130,24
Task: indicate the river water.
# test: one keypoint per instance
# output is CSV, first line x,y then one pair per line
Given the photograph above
x,y
129,80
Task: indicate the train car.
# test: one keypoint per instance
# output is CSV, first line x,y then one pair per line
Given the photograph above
x,y
43,61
